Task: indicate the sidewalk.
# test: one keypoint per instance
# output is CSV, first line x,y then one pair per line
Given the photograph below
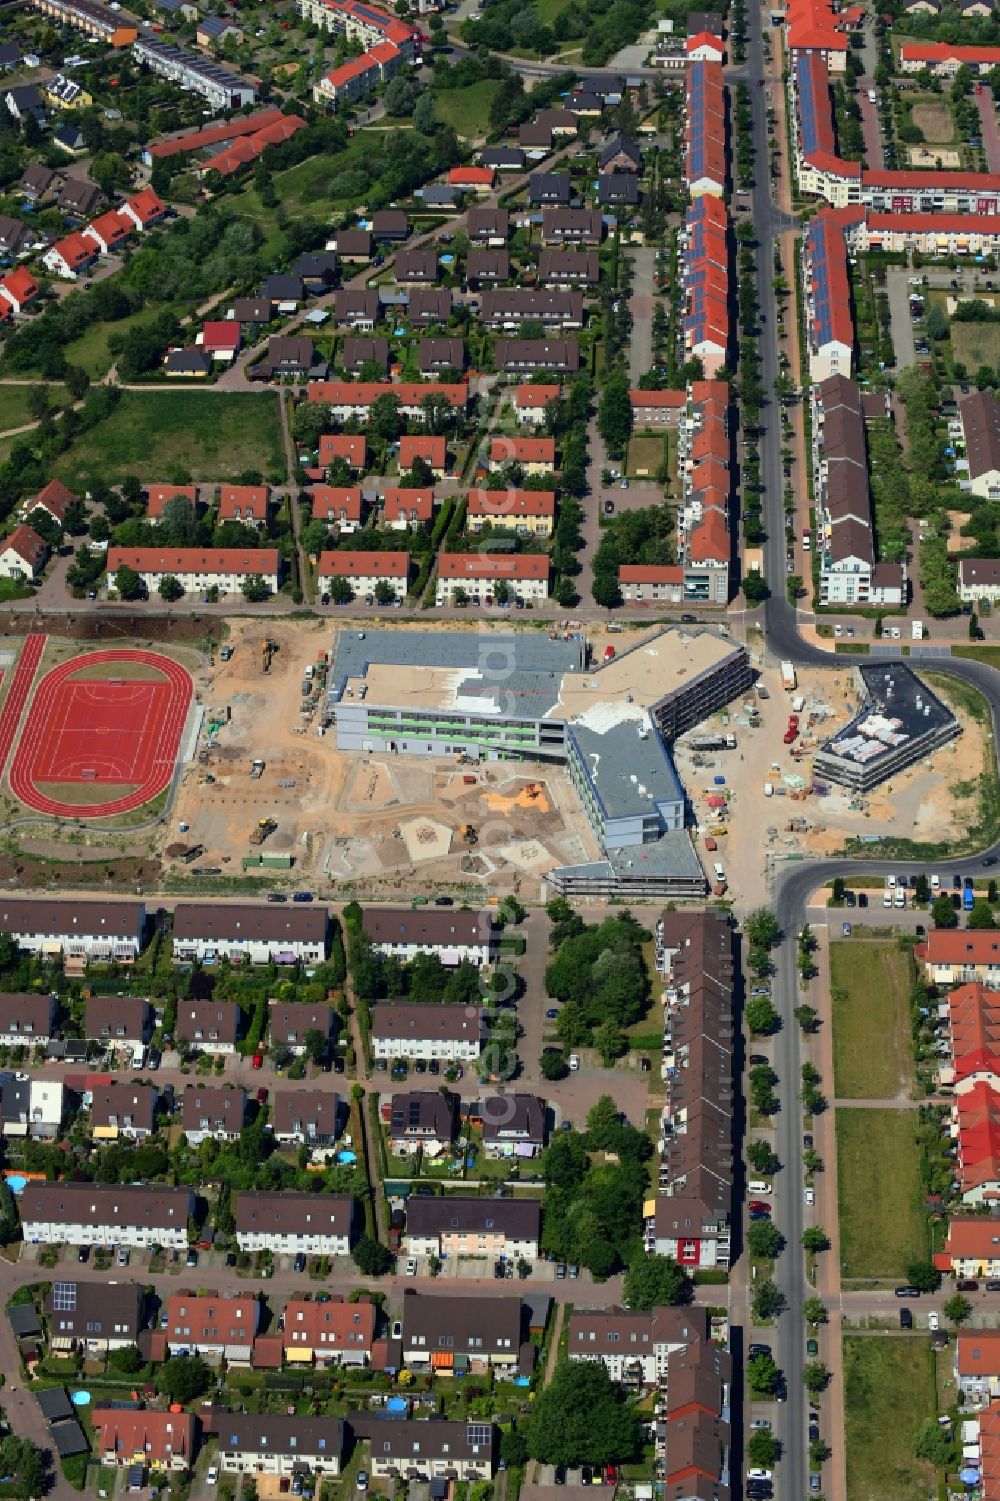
x,y
832,1408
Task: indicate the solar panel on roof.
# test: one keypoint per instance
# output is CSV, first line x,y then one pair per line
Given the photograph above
x,y
64,1297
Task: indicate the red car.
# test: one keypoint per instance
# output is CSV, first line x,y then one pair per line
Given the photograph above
x,y
262,1097
756,1206
258,1060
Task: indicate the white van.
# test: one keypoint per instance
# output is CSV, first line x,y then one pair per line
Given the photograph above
x,y
720,871
900,897
887,898
935,883
758,1186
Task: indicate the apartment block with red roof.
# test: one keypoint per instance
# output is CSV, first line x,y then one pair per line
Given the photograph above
x,y
484,578
351,447
364,571
704,541
55,499
347,399
161,1440
829,315
405,509
651,583
70,255
109,231
217,1328
975,1127
199,568
340,505
337,1332
705,129
18,289
814,26
529,513
532,455
247,504
656,409
144,208
972,1248
943,59
432,449
974,1034
952,956
977,1365
531,402
158,497
23,554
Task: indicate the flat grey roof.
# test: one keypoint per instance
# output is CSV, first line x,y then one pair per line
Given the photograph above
x,y
628,765
672,856
897,709
509,673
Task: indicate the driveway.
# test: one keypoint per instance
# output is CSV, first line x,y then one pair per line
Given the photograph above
x,y
897,279
991,127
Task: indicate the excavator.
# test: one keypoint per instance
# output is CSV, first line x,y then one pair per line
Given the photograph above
x,y
265,828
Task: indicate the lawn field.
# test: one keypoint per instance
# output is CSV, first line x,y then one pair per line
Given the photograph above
x,y
935,119
879,1189
14,403
888,1391
90,350
872,1052
468,109
975,344
178,436
309,189
645,454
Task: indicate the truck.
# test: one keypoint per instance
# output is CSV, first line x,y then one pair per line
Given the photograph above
x,y
257,769
918,630
225,653
968,898
713,742
788,677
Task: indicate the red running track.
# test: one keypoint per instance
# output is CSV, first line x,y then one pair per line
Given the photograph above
x,y
42,754
17,697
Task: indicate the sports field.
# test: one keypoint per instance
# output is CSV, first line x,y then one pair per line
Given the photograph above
x,y
102,734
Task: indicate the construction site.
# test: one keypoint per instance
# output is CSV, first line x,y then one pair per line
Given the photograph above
x,y
270,794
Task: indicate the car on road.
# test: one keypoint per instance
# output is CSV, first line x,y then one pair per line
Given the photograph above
x,y
262,1096
123,1255
302,896
814,1425
933,1321
276,896
759,1204
299,1264
551,1014
756,1059
815,1480
191,1259
812,1347
993,1285
905,1319
410,1269
760,1214
846,929
807,1140
444,901
907,1292
967,883
810,1196
989,859
850,899
362,1480
689,619
759,990
753,1350
966,1285
257,1061
559,1475
83,1254
763,1423
561,1271
758,1473
586,1475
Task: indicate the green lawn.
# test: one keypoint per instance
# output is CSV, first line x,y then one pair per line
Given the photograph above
x,y
975,344
307,189
988,654
645,454
889,1391
468,109
173,436
872,1049
878,1183
91,351
14,403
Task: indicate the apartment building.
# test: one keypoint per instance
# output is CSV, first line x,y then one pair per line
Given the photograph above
x,y
31,1107
456,937
306,1117
365,571
827,305
531,403
97,21
634,1344
347,399
332,1333
263,934
219,86
208,1026
705,129
213,1112
76,931
456,1226
92,1214
214,1328
651,583
160,1440
94,1317
26,1020
449,1335
122,1109
198,569
481,578
451,1034
972,1248
279,1444
419,1450
980,418
531,455
118,1021
527,513
504,309
704,249
287,1223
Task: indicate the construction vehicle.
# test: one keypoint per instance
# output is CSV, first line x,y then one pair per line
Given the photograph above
x,y
532,790
267,650
225,653
265,828
468,833
257,769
